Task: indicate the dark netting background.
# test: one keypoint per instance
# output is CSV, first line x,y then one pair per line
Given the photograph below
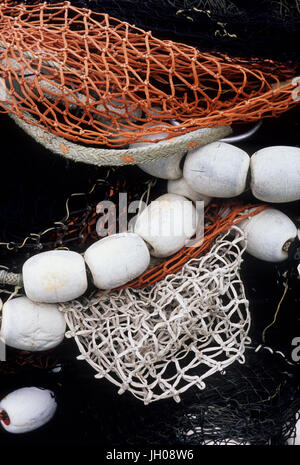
x,y
253,403
264,28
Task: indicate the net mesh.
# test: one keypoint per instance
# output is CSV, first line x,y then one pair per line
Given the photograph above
x,y
268,28
258,403
77,229
259,399
251,404
159,341
93,79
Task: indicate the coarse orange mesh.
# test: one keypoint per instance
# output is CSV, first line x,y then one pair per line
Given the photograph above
x,y
96,80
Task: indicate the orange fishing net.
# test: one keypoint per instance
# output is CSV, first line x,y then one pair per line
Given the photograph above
x,y
93,79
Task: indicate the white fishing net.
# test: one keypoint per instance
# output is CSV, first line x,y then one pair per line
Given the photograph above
x,y
159,341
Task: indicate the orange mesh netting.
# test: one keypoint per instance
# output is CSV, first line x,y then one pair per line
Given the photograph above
x,y
86,76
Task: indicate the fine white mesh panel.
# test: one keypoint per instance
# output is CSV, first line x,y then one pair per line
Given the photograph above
x,y
159,341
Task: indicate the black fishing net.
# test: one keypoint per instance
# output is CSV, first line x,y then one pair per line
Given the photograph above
x,y
261,29
256,403
242,405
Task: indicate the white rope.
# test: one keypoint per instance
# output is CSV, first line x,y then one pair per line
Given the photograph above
x,y
116,157
159,341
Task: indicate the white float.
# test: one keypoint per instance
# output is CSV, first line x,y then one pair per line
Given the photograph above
x,y
181,187
266,234
27,409
32,326
275,174
54,276
217,170
164,167
117,259
167,224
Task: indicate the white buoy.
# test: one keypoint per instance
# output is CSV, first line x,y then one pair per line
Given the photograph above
x,y
267,233
165,167
181,187
117,259
167,224
32,326
27,409
275,174
217,170
54,276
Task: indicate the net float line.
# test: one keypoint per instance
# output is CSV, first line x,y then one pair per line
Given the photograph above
x,y
218,219
93,79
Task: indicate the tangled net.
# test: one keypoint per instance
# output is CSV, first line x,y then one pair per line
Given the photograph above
x,y
76,227
77,230
266,28
255,403
252,404
93,79
159,341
